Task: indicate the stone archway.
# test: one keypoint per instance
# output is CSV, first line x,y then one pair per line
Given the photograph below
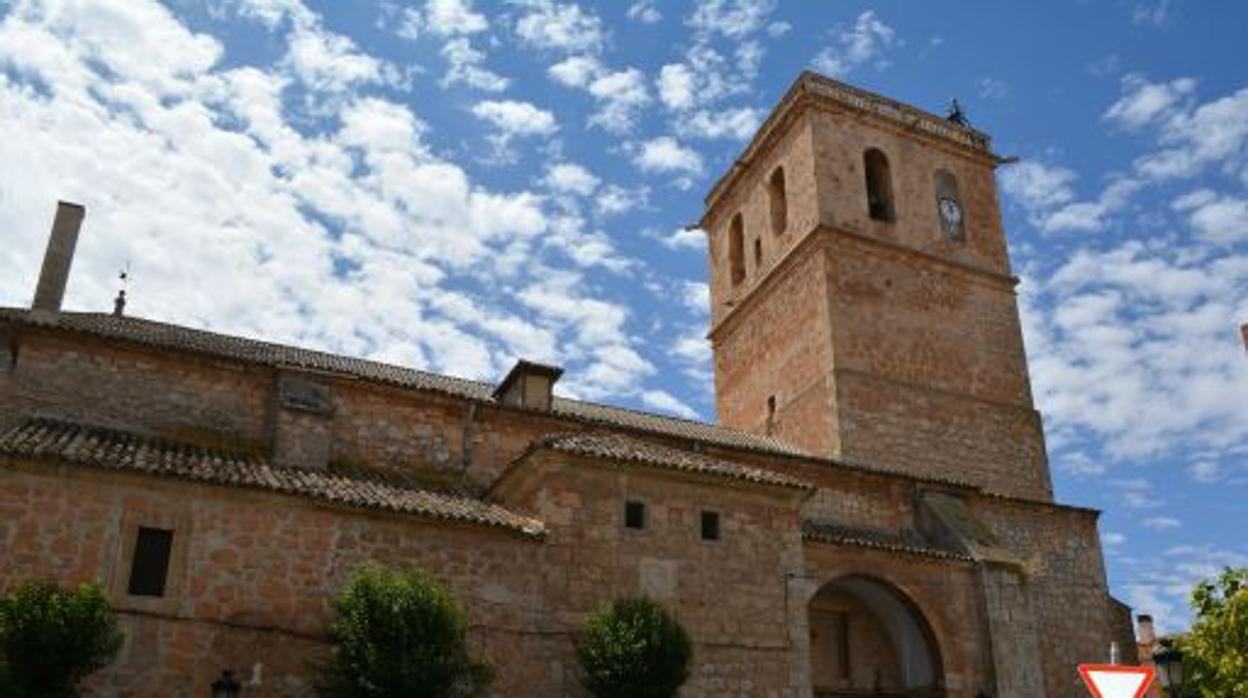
x,y
867,639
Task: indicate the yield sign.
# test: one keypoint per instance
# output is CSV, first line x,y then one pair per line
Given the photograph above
x,y
1116,680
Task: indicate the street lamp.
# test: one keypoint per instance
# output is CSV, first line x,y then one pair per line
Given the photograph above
x,y
226,686
1169,661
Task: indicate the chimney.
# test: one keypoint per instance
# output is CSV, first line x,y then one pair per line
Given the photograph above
x,y
58,258
528,384
1144,633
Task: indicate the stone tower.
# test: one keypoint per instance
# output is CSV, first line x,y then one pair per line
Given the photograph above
x,y
863,306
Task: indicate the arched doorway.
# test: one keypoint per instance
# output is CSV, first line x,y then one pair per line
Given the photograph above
x,y
866,639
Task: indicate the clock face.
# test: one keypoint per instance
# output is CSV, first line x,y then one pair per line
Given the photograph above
x,y
950,213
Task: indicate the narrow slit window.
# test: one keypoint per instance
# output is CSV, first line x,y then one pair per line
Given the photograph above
x,y
710,525
779,201
758,253
149,568
634,514
736,249
879,185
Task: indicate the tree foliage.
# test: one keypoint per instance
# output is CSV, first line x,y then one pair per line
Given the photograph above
x,y
52,638
1215,651
400,634
632,648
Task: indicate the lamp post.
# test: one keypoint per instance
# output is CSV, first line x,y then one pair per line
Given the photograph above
x,y
1169,661
226,686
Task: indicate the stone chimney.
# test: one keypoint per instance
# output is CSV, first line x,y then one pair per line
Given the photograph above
x,y
58,257
1144,632
528,384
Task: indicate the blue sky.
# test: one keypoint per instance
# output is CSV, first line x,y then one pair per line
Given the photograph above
x,y
450,185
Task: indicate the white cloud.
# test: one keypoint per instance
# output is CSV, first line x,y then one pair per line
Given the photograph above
x,y
615,200
328,61
571,178
666,154
453,18
343,230
1156,13
1113,539
1143,102
1217,219
620,95
685,239
464,67
1162,523
645,11
575,71
738,124
1214,133
1038,187
696,296
993,88
666,402
778,29
676,86
516,118
550,25
1108,331
733,19
862,43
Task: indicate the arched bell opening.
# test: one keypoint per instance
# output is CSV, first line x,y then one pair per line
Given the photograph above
x,y
867,639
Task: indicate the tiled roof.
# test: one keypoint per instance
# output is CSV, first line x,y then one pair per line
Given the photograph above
x,y
825,532
624,449
49,440
166,336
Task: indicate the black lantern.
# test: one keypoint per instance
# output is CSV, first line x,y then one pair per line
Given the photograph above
x,y
226,686
1169,661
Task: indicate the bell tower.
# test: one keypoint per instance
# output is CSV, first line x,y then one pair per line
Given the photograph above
x,y
863,306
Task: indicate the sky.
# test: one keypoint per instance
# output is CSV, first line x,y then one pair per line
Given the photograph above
x,y
454,184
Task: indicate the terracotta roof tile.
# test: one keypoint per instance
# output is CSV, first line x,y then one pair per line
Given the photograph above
x,y
825,532
75,444
620,448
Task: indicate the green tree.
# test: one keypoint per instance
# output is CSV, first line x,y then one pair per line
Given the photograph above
x,y
632,648
1215,651
400,634
52,638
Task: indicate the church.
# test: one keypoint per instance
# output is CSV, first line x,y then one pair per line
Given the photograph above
x,y
870,515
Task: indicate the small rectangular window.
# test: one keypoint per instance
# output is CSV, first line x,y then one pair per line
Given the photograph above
x,y
149,568
634,514
710,525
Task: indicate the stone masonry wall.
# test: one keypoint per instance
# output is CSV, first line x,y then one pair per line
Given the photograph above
x,y
1064,574
730,593
251,591
840,138
749,197
778,346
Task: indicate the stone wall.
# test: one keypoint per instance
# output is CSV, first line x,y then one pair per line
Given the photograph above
x,y
777,346
238,407
749,197
730,593
250,588
1064,575
841,137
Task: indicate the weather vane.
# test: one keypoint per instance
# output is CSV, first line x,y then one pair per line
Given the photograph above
x,y
119,303
956,114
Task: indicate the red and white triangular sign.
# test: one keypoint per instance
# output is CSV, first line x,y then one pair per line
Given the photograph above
x,y
1116,680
